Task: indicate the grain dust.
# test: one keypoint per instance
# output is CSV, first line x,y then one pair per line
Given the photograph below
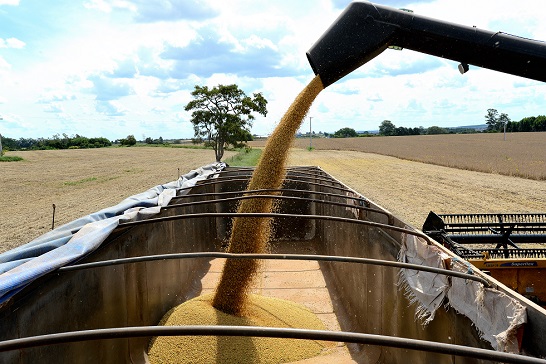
x,y
250,235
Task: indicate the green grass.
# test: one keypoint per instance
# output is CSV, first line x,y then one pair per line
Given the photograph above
x,y
14,158
93,179
189,146
170,145
74,183
247,157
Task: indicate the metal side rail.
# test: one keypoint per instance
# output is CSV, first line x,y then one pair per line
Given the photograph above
x,y
278,197
360,200
289,178
327,258
275,215
213,182
270,332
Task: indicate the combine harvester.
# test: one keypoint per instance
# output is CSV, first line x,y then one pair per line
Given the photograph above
x,y
93,291
509,247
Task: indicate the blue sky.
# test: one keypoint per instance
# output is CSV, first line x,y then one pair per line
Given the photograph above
x,y
117,67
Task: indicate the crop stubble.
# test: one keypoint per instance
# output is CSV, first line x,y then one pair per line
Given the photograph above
x,y
410,189
520,155
406,188
80,182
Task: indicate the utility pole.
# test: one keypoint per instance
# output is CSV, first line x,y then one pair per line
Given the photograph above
x,y
310,134
1,118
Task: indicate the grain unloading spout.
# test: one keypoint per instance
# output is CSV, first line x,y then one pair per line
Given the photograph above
x,y
364,30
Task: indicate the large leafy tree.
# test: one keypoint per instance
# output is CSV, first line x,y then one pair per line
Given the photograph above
x,y
496,122
492,120
223,115
345,133
387,128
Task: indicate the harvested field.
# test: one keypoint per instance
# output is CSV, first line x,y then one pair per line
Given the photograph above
x,y
411,189
520,155
80,182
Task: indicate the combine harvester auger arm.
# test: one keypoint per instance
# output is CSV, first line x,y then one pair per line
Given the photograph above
x,y
364,30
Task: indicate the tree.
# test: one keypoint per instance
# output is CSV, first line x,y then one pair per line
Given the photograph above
x,y
223,115
492,120
540,123
400,130
239,138
503,119
387,128
436,130
130,140
503,122
345,133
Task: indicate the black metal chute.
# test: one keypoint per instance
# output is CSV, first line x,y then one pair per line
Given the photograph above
x,y
364,30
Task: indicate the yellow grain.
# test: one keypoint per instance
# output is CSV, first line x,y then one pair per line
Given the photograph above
x,y
250,235
232,304
262,311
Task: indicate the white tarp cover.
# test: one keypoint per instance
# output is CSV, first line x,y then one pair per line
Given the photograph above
x,y
72,241
427,289
495,315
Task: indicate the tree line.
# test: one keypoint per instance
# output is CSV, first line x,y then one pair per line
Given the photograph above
x,y
387,128
55,142
496,122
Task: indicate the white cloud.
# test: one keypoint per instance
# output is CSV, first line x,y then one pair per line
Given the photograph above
x,y
5,68
255,41
108,5
159,110
55,96
9,2
110,89
4,65
54,107
12,43
110,108
141,62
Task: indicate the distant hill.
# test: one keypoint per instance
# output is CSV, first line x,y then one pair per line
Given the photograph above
x,y
475,127
454,128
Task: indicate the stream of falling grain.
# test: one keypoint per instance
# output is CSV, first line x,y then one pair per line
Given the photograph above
x,y
250,235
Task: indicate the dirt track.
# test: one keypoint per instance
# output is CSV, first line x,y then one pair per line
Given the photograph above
x,y
411,189
80,182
